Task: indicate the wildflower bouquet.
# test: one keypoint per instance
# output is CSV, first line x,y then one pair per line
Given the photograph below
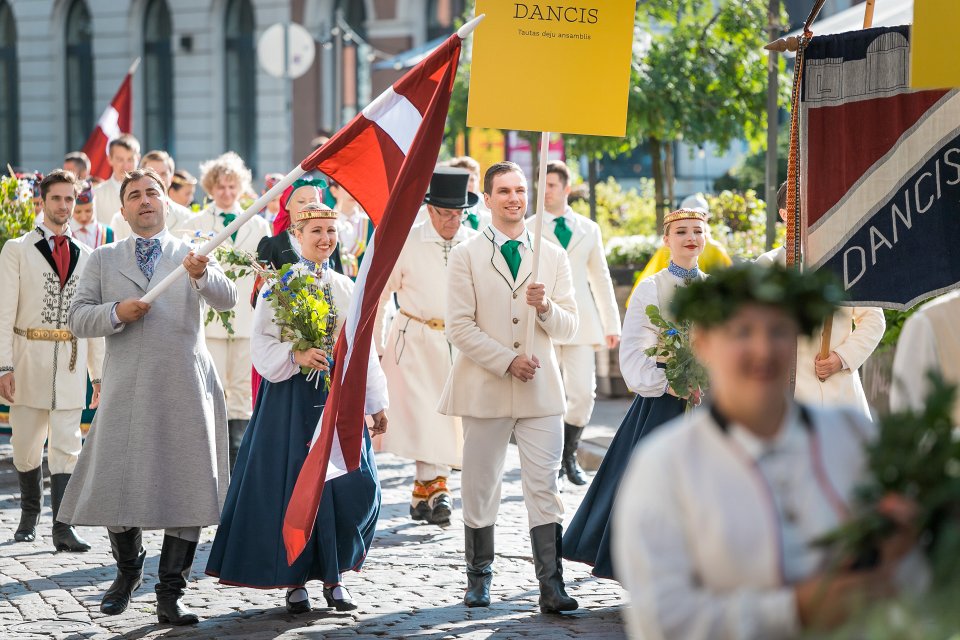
x,y
17,214
684,373
301,306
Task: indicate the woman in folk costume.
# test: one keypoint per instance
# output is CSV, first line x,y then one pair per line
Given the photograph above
x,y
587,539
248,550
714,525
84,225
282,247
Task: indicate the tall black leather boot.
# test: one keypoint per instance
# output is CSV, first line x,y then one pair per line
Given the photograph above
x,y
478,547
547,547
31,497
236,429
176,559
127,549
65,538
570,468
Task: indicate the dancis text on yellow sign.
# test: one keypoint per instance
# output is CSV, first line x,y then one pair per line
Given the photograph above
x,y
561,66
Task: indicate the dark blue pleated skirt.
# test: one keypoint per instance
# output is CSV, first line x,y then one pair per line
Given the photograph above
x,y
248,549
587,539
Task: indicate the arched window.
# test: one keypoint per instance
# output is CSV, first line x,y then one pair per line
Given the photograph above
x,y
240,72
79,39
441,15
9,94
158,77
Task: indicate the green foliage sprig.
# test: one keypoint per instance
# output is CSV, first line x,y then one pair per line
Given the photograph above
x,y
236,264
684,372
916,455
808,297
17,215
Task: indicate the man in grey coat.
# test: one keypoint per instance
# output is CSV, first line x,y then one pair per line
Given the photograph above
x,y
156,456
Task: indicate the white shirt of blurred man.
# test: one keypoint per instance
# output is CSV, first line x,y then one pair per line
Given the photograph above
x,y
596,306
177,214
123,154
225,179
856,332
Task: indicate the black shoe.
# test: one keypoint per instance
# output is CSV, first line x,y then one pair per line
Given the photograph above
x,y
301,606
128,552
31,497
569,466
176,558
65,538
340,604
420,512
235,429
441,511
478,548
547,547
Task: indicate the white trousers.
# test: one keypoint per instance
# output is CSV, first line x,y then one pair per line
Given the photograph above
x,y
427,471
32,427
485,440
578,368
232,360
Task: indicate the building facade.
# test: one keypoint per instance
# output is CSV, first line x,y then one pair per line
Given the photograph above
x,y
199,90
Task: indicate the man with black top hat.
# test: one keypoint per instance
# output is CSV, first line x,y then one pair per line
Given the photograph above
x,y
416,355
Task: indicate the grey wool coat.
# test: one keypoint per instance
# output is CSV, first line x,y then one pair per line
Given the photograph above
x,y
156,456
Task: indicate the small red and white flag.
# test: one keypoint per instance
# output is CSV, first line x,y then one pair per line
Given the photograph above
x,y
115,120
384,158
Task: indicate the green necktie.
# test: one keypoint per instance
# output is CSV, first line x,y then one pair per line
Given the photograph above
x,y
473,220
227,219
511,253
562,231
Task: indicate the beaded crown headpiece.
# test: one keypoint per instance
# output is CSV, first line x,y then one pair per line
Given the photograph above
x,y
684,214
314,211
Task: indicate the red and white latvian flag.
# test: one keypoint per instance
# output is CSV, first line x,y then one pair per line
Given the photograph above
x,y
384,158
115,120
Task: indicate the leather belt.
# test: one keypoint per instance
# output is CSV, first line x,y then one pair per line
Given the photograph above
x,y
433,323
52,335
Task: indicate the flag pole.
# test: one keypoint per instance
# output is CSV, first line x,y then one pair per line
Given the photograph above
x,y
827,334
227,231
538,235
134,66
273,192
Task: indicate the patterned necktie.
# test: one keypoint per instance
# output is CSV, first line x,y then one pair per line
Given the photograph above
x,y
511,253
61,256
148,254
562,231
227,219
472,220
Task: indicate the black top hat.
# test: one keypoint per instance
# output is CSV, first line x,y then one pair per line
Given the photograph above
x,y
448,189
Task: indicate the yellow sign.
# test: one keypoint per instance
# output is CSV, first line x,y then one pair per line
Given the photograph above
x,y
552,66
933,58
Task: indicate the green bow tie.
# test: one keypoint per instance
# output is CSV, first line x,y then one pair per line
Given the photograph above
x,y
562,231
472,220
511,253
227,219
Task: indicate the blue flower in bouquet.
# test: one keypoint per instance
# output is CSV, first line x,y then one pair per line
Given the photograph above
x,y
672,332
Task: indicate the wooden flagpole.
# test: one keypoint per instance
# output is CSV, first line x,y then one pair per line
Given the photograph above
x,y
537,236
828,324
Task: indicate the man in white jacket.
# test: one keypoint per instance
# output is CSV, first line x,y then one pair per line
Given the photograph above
x,y
580,238
500,385
834,380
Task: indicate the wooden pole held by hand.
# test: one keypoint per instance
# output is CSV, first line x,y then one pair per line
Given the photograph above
x,y
537,237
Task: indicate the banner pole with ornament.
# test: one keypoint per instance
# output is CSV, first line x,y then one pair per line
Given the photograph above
x,y
592,41
115,120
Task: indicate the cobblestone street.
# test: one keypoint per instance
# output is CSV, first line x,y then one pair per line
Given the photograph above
x,y
411,585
